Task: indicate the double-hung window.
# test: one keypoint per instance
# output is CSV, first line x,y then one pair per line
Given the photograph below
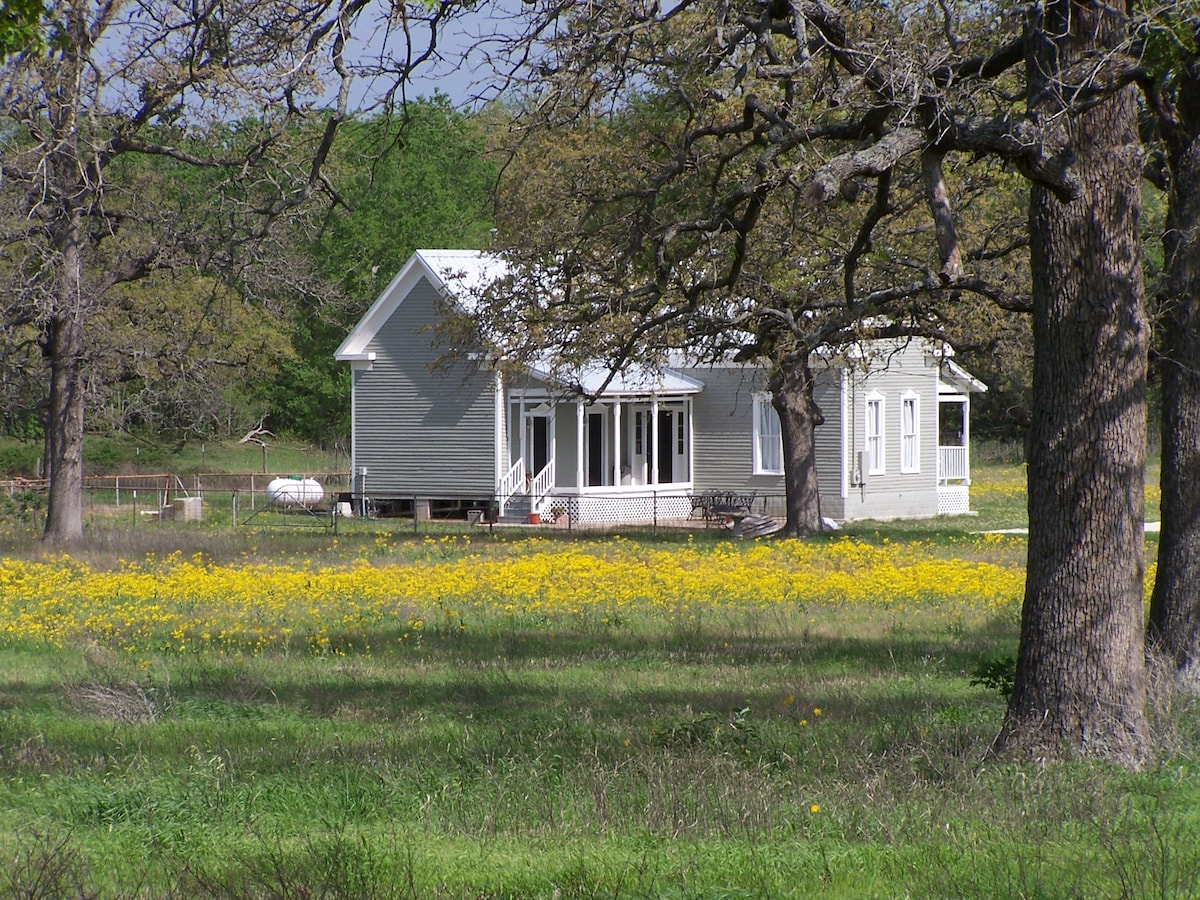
x,y
768,437
910,433
875,464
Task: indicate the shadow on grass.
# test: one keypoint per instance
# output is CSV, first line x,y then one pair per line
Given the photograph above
x,y
527,675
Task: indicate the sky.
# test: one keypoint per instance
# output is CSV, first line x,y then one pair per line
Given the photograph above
x,y
462,72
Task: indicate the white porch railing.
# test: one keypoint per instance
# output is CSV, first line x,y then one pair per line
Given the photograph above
x,y
510,484
953,464
541,485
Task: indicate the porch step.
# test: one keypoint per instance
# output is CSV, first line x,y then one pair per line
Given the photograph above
x,y
516,510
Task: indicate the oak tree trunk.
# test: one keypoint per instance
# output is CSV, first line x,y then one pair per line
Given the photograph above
x,y
1174,626
1080,683
792,396
63,349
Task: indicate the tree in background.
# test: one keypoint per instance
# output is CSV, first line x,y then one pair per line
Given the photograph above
x,y
418,179
20,26
168,80
179,354
1171,83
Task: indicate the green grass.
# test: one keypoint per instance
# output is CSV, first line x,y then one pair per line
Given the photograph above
x,y
125,454
527,760
520,763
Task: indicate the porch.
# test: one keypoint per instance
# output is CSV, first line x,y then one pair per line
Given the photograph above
x,y
953,481
622,458
955,386
953,455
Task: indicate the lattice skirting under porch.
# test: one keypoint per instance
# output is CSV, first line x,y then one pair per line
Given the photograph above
x,y
953,500
627,508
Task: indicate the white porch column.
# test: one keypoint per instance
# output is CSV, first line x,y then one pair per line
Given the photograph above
x,y
552,427
689,407
579,445
501,444
616,442
522,443
966,417
654,439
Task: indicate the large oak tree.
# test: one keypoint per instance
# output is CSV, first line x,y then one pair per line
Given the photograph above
x,y
882,99
668,173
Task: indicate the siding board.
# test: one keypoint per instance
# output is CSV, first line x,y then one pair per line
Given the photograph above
x,y
420,431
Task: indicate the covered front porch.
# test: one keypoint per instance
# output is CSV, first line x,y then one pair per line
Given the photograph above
x,y
625,457
955,387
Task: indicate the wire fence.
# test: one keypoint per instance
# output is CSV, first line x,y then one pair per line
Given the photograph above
x,y
246,500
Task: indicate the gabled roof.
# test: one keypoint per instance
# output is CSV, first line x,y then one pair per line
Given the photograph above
x,y
457,275
957,379
633,381
460,277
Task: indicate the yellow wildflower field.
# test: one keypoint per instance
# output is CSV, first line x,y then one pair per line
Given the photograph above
x,y
178,605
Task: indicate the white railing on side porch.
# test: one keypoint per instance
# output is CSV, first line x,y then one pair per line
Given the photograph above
x,y
510,484
953,464
541,485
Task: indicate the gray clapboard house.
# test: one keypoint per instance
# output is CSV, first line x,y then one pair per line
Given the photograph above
x,y
895,442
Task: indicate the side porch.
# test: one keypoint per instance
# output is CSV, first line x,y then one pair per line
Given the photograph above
x,y
953,453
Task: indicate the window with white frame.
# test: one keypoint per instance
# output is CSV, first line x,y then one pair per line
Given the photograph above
x,y
875,464
910,432
768,437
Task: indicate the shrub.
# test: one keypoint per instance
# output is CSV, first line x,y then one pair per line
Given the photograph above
x,y
19,460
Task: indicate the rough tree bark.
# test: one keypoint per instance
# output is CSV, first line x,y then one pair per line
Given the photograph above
x,y
63,347
62,334
1080,682
1174,625
791,387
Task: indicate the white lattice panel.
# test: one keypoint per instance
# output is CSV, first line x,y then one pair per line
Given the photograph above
x,y
612,508
953,500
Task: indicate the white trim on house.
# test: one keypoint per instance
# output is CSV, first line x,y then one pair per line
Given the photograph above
x,y
847,465
875,433
398,401
910,433
765,414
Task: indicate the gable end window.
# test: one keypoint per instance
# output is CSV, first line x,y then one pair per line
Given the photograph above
x,y
875,463
910,433
768,437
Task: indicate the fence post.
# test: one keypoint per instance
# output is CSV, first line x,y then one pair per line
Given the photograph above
x,y
234,504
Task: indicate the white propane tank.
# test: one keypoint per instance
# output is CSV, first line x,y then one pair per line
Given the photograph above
x,y
295,491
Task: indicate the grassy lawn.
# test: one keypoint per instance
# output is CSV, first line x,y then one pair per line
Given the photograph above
x,y
193,710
